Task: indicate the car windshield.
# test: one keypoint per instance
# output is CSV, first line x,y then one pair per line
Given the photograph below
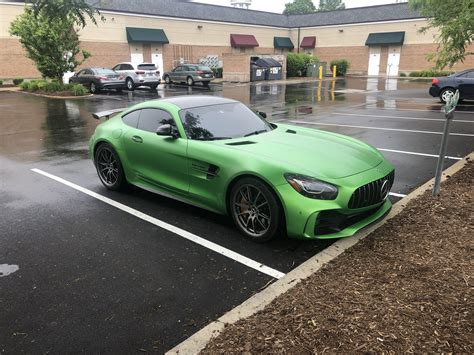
x,y
224,121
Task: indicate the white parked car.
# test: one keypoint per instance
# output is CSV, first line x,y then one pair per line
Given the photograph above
x,y
136,75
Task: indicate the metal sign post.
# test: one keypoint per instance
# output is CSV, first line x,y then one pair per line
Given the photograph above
x,y
449,108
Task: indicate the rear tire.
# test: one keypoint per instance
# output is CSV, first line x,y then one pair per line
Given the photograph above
x,y
190,81
255,210
168,80
109,167
93,88
130,84
443,96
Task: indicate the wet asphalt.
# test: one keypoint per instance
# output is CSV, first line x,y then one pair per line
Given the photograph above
x,y
93,278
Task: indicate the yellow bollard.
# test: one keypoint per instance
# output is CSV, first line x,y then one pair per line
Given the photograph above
x,y
320,72
334,71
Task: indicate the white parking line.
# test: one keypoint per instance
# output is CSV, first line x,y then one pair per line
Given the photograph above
x,y
414,153
396,195
411,109
380,128
178,231
398,117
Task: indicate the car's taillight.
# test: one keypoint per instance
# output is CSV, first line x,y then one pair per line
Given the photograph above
x,y
102,77
200,72
158,72
434,81
139,72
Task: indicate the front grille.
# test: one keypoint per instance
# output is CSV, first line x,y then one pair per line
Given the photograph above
x,y
371,194
329,222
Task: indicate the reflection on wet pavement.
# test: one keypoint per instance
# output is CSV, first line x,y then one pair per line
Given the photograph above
x,y
40,128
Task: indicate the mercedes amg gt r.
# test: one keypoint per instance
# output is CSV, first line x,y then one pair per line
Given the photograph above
x,y
272,179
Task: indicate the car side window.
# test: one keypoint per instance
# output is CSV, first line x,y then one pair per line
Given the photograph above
x,y
127,67
178,69
81,72
131,119
88,72
468,74
151,119
117,67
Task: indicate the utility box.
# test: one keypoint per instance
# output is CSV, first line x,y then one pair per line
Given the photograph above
x,y
274,68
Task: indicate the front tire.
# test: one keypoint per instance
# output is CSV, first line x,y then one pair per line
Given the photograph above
x,y
443,96
130,84
167,80
109,167
255,210
190,81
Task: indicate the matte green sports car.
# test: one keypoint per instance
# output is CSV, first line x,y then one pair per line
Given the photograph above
x,y
218,154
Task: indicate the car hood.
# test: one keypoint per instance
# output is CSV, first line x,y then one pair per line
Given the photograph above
x,y
309,151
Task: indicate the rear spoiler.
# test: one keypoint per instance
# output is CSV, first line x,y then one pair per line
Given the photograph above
x,y
107,114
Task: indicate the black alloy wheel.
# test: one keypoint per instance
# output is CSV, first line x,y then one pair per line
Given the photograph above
x,y
255,210
109,168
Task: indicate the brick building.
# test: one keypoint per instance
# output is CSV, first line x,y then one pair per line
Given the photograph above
x,y
377,40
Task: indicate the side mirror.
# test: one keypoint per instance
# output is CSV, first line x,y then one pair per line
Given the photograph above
x,y
167,130
261,114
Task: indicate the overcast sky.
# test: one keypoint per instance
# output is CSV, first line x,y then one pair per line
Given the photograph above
x,y
279,5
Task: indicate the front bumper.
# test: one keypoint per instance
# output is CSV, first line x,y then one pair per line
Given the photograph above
x,y
434,91
324,219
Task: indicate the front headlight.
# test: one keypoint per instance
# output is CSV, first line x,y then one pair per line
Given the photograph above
x,y
311,187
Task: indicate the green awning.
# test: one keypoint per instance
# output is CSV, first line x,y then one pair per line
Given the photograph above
x,y
283,42
146,35
385,38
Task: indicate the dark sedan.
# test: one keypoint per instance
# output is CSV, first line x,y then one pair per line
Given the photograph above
x,y
97,79
444,86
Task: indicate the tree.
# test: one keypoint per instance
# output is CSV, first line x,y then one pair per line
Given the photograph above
x,y
454,20
298,7
329,5
47,32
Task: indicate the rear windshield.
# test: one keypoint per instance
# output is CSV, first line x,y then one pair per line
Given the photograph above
x,y
104,71
146,66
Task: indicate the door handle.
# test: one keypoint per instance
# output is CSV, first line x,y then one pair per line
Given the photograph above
x,y
137,139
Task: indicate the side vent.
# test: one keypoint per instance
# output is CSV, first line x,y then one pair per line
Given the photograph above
x,y
290,131
241,143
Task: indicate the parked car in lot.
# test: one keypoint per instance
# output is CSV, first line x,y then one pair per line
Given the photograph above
x,y
97,79
136,75
189,74
218,154
444,86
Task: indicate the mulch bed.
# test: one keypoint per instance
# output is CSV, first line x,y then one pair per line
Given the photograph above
x,y
405,288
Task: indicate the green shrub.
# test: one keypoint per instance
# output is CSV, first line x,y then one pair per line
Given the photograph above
x,y
41,84
33,86
341,66
17,81
403,75
297,63
217,72
78,89
429,73
1,82
24,85
54,86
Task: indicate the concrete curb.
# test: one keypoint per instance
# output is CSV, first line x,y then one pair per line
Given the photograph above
x,y
55,97
257,302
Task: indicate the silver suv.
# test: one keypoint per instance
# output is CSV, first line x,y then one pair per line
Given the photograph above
x,y
189,74
144,74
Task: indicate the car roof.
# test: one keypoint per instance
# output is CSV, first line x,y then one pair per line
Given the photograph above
x,y
190,101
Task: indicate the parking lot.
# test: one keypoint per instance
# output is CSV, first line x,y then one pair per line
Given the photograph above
x,y
102,271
